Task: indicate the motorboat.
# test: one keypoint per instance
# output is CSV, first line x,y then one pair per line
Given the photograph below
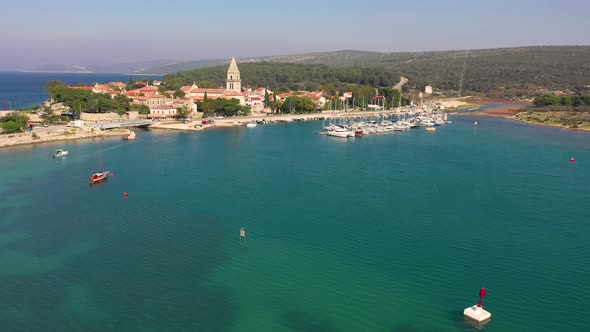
x,y
340,132
60,153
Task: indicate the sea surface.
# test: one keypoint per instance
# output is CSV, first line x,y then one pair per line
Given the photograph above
x,y
393,232
22,90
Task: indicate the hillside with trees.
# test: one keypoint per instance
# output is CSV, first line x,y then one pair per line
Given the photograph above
x,y
507,72
87,101
287,76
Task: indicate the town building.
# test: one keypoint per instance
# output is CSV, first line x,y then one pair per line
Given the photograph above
x,y
233,81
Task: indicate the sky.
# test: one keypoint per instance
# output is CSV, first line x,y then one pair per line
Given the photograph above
x,y
40,32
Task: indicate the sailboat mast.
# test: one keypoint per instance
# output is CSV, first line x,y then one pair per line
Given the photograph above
x,y
100,169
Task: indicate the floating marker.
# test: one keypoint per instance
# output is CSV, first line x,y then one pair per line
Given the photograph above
x,y
242,235
476,312
572,159
125,194
112,174
475,123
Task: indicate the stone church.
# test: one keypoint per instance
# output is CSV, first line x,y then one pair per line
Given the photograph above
x,y
233,88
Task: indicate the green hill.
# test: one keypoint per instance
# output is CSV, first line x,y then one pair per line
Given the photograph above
x,y
505,71
276,75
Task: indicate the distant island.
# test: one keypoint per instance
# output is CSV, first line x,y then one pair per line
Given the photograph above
x,y
61,69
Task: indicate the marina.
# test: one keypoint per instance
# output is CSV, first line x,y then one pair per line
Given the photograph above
x,y
350,126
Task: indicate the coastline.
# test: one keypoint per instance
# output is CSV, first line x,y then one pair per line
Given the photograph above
x,y
511,112
71,134
231,122
555,125
63,133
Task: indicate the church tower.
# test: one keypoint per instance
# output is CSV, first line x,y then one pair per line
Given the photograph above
x,y
234,83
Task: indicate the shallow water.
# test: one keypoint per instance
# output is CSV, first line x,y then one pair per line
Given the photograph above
x,y
393,232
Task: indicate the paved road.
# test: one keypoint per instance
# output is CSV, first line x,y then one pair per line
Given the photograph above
x,y
402,81
51,128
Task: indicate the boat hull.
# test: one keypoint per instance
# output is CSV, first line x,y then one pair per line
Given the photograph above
x,y
98,177
341,134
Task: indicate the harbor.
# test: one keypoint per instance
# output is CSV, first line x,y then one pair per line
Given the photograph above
x,y
405,118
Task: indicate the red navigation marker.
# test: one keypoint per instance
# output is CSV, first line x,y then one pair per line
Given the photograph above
x,y
482,293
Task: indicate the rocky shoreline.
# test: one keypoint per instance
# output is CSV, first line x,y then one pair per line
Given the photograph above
x,y
36,136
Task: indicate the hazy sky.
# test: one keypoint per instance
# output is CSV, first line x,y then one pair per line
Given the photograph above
x,y
34,33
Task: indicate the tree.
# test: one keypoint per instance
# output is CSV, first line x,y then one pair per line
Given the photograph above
x,y
20,119
179,93
296,104
266,98
50,86
181,112
141,109
10,127
221,106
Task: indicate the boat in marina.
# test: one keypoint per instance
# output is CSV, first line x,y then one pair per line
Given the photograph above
x,y
340,132
60,153
351,127
101,175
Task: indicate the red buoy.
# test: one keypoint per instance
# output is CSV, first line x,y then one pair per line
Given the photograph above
x,y
572,159
125,194
482,293
112,174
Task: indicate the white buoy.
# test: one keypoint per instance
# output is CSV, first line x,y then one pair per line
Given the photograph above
x,y
242,235
475,123
476,312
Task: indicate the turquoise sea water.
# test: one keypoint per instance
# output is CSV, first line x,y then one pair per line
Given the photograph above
x,y
21,90
388,233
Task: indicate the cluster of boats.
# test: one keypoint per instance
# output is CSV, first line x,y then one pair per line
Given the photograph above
x,y
353,127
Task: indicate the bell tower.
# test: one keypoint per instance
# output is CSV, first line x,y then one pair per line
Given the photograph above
x,y
233,81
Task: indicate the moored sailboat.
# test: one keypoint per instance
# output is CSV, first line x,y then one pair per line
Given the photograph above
x,y
101,175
